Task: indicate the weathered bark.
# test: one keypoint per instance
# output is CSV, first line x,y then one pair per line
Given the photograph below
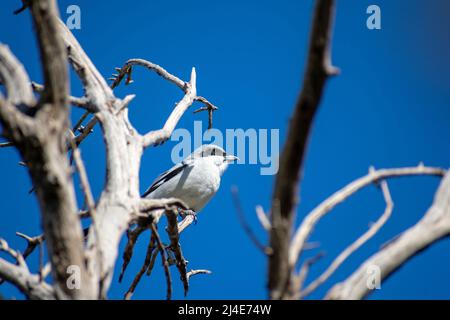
x,y
434,226
41,142
285,195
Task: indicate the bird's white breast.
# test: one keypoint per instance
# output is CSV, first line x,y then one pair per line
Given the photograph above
x,y
195,185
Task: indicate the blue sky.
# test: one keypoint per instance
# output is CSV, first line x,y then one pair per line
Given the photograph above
x,y
387,108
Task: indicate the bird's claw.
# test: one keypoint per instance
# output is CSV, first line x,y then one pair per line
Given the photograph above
x,y
185,213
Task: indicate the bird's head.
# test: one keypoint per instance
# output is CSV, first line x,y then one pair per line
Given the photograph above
x,y
215,154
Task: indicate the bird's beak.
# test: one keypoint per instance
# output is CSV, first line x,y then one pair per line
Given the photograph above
x,y
231,158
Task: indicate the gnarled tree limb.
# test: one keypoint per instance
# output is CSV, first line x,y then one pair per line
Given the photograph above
x,y
284,199
19,275
308,223
41,142
435,225
374,228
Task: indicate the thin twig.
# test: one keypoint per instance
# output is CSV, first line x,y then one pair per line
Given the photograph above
x,y
80,121
195,272
146,206
248,230
89,198
78,102
208,107
25,5
304,270
164,260
6,144
150,249
374,228
262,217
186,222
126,70
132,235
41,262
16,255
85,186
157,137
172,231
32,243
152,263
189,88
19,275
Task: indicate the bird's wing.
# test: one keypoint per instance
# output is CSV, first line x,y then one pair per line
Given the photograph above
x,y
166,176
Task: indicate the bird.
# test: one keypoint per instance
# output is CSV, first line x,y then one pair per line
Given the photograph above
x,y
195,180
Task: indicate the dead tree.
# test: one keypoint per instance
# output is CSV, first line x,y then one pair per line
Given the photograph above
x,y
286,279
40,130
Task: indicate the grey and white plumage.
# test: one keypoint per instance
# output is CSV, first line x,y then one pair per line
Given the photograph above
x,y
194,180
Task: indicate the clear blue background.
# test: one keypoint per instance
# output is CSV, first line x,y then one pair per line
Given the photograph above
x,y
388,108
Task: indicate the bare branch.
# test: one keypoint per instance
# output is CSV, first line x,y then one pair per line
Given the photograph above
x,y
326,206
153,209
78,102
85,186
174,236
126,70
152,204
299,280
132,236
15,79
96,90
89,199
195,272
173,232
19,275
124,150
152,263
435,225
161,135
248,230
6,144
186,222
284,199
262,217
32,243
164,260
86,130
208,107
45,155
150,249
79,123
41,144
374,228
25,5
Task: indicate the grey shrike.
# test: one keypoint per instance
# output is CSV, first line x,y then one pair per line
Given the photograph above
x,y
194,180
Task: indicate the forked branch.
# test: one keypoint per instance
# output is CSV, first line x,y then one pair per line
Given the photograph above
x,y
435,225
285,194
374,228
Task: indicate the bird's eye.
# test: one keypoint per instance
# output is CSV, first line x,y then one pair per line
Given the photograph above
x,y
213,153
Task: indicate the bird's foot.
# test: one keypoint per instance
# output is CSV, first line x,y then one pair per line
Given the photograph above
x,y
185,213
